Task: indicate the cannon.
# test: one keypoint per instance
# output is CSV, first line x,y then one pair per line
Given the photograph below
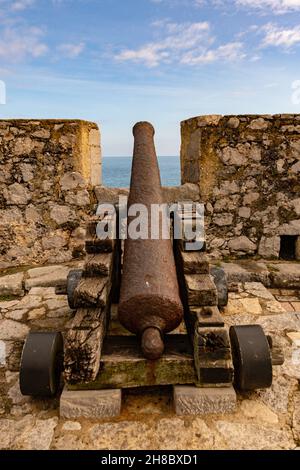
x,y
126,308
150,305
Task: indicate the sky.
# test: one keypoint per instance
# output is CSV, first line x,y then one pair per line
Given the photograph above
x,y
117,62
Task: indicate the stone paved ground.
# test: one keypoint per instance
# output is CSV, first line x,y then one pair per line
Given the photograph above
x,y
267,419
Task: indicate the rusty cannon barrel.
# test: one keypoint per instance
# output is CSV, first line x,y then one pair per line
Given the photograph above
x,y
150,304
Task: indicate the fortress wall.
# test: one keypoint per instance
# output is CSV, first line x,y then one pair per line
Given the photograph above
x,y
248,172
50,183
244,168
47,173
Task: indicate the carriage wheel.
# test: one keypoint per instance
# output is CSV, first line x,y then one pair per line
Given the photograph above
x,y
41,364
251,357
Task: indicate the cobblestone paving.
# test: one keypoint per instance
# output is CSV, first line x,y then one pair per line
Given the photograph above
x,y
268,419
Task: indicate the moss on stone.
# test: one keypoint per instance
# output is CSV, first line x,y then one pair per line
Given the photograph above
x,y
8,298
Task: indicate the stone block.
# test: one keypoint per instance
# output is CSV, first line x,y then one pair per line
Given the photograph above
x,y
11,284
236,273
201,290
49,276
42,134
81,198
251,306
106,195
296,306
257,410
195,262
71,426
27,433
285,275
207,120
234,156
12,330
223,220
246,271
195,401
233,122
257,289
245,212
283,322
242,244
294,338
185,192
259,124
13,355
254,436
92,404
72,180
16,194
62,214
291,228
269,247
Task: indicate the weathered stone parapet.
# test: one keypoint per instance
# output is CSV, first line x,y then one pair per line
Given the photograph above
x,y
186,192
244,168
247,168
48,170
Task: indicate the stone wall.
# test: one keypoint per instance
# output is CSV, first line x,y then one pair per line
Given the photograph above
x,y
48,170
50,183
244,168
171,194
247,169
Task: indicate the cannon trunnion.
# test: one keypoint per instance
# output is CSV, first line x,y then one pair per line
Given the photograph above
x,y
158,287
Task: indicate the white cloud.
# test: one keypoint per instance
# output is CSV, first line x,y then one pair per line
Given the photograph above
x,y
179,37
255,58
8,6
19,43
281,37
273,6
20,5
150,55
276,6
71,50
185,43
228,52
18,40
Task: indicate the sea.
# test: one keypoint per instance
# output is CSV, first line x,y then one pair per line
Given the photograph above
x,y
117,171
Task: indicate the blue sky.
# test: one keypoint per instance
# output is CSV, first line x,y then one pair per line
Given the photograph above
x,y
120,61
